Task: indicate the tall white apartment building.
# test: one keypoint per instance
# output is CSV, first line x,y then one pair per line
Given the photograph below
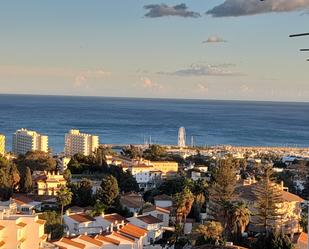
x,y
76,142
2,144
24,141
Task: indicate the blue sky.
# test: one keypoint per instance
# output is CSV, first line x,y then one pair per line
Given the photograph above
x,y
120,48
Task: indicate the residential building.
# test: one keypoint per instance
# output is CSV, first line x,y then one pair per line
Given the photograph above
x,y
20,231
158,212
2,144
148,179
150,223
25,205
167,168
25,140
80,143
132,201
47,183
81,223
290,208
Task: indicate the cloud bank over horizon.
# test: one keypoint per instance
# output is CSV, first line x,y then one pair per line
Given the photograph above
x,y
236,8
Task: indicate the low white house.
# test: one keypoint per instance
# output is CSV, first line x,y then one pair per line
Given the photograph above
x,y
150,223
160,213
81,223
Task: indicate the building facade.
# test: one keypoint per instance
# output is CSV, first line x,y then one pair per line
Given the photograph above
x,y
2,144
47,183
25,140
20,231
80,143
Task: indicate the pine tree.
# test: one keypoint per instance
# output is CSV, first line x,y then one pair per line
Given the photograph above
x,y
268,197
222,193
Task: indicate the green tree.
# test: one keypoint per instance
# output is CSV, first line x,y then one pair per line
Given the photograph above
x,y
268,196
155,153
53,224
36,160
27,182
222,193
240,218
98,209
132,152
82,193
9,178
64,198
183,202
209,232
273,241
108,191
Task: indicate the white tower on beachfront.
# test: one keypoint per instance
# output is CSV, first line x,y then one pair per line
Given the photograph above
x,y
182,137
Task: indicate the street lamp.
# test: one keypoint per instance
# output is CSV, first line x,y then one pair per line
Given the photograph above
x,y
301,34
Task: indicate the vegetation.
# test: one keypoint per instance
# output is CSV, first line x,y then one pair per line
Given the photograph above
x,y
268,197
108,191
64,198
9,178
183,202
222,193
82,193
36,160
273,241
208,233
53,224
26,182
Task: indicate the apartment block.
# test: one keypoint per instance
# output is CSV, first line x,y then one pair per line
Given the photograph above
x,y
25,140
80,143
19,230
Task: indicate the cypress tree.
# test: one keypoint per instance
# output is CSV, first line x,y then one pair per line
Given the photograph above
x,y
27,182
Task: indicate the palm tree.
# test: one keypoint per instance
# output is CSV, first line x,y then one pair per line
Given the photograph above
x,y
183,201
241,218
64,198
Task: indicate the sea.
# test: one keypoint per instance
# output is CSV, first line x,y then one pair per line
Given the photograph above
x,y
141,121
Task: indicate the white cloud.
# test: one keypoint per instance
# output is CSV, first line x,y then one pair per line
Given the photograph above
x,y
214,39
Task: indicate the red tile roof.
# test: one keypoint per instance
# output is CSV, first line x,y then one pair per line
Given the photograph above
x,y
107,239
123,237
149,219
73,243
115,218
81,218
133,231
156,208
90,240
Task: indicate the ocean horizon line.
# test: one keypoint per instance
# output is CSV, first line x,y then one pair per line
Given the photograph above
x,y
156,98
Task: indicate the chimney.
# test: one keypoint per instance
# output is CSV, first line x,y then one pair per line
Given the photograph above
x,y
282,185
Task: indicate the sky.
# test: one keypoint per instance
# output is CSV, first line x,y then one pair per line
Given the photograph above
x,y
197,49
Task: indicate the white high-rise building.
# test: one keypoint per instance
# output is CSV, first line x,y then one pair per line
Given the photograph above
x,y
181,137
24,141
2,144
80,143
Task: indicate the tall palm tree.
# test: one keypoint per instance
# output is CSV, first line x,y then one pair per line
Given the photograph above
x,y
64,198
241,218
183,201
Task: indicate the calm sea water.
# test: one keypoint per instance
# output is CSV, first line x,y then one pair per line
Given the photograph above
x,y
126,120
